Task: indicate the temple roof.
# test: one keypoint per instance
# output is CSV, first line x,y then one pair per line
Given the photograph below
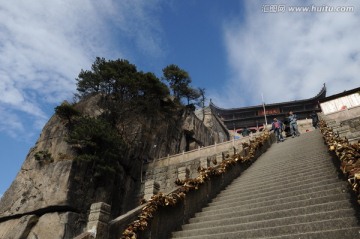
x,y
319,96
344,93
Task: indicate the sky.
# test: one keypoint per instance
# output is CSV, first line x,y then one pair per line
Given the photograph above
x,y
237,50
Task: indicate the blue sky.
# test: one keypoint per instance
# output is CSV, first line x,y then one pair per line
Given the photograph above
x,y
235,49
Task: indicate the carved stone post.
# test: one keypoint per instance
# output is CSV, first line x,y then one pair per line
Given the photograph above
x,y
151,188
183,173
204,162
98,220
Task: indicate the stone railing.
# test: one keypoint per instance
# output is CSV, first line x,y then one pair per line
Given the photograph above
x,y
168,219
161,174
98,222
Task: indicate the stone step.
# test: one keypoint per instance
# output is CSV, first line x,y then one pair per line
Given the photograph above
x,y
291,160
252,215
344,233
286,205
236,232
273,182
291,163
240,226
296,190
276,199
292,168
291,191
270,179
251,220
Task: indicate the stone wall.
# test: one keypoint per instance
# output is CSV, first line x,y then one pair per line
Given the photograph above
x,y
345,114
212,121
346,123
167,219
161,174
351,129
354,124
305,125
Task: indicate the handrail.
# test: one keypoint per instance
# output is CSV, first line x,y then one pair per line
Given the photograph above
x,y
209,146
188,201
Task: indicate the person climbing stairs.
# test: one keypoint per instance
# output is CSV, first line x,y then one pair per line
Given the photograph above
x,y
294,190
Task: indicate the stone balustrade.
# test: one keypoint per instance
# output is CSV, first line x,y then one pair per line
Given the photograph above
x,y
98,222
167,219
162,173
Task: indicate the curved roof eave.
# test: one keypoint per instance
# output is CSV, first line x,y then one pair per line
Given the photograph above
x,y
320,95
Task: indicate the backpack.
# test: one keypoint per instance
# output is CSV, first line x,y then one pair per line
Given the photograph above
x,y
277,125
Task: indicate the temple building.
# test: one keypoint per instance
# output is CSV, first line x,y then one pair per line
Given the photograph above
x,y
346,100
255,117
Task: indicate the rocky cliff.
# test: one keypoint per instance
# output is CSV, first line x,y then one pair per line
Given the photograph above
x,y
39,195
52,193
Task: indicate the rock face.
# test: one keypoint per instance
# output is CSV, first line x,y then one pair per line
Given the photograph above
x,y
218,130
41,189
52,193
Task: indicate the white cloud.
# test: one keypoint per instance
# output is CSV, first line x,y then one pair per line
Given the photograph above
x,y
45,44
288,56
12,123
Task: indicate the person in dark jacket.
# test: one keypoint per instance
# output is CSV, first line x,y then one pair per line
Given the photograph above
x,y
293,124
245,132
315,119
277,126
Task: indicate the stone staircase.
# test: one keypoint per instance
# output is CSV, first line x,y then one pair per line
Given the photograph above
x,y
292,191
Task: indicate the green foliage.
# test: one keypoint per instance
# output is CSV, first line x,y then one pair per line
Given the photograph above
x,y
178,79
87,158
66,111
62,156
151,93
191,94
43,156
96,141
96,136
102,170
130,99
126,92
108,77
